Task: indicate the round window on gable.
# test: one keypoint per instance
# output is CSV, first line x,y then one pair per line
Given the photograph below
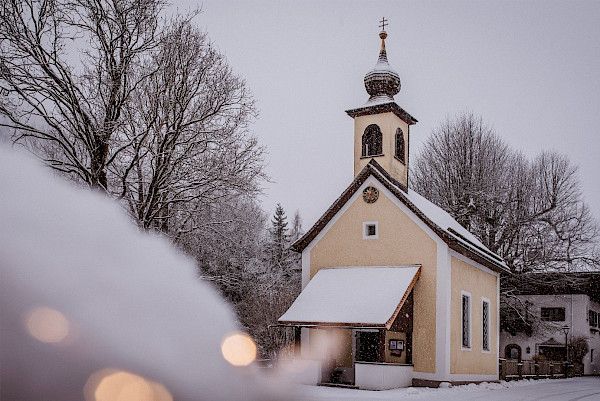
x,y
370,194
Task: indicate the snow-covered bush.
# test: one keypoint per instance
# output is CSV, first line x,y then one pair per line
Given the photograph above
x,y
84,293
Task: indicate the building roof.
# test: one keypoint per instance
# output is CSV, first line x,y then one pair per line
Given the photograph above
x,y
544,283
456,236
382,105
353,297
382,82
552,343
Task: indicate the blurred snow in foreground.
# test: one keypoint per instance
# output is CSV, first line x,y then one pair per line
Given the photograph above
x,y
93,309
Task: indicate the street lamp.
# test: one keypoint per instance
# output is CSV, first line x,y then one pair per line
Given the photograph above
x,y
565,330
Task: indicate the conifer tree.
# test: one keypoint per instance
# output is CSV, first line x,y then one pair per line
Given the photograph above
x,y
295,233
279,240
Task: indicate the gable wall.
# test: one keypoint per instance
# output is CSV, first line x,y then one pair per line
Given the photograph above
x,y
400,242
480,284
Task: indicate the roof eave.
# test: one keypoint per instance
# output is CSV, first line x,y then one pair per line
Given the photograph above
x,y
383,108
310,235
333,325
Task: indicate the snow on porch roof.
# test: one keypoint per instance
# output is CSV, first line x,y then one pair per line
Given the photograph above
x,y
353,297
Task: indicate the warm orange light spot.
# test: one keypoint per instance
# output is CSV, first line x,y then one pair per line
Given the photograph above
x,y
118,385
239,349
47,325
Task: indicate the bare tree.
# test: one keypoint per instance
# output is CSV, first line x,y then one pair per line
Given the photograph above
x,y
153,115
66,72
234,251
460,166
530,212
187,123
228,246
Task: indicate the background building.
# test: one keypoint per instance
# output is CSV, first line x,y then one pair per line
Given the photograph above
x,y
547,306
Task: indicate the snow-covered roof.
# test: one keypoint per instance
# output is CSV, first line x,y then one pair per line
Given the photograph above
x,y
439,216
456,236
382,104
376,100
353,296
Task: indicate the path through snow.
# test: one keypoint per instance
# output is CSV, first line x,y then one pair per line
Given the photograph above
x,y
575,389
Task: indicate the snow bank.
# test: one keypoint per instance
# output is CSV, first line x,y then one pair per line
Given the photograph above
x,y
505,391
82,290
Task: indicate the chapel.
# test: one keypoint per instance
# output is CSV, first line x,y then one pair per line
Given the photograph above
x,y
395,291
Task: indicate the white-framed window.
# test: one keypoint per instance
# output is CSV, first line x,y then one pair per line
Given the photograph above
x,y
485,324
370,230
466,320
553,314
593,318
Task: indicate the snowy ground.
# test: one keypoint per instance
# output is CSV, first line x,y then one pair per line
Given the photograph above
x,y
581,388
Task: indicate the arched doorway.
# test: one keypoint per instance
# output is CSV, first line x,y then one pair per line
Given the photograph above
x,y
512,351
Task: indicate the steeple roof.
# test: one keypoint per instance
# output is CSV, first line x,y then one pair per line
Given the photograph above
x,y
382,82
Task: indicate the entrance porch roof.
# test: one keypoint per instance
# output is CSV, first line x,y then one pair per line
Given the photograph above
x,y
361,297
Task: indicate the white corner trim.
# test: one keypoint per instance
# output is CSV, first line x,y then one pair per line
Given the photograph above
x,y
443,309
305,267
364,230
489,325
498,323
470,347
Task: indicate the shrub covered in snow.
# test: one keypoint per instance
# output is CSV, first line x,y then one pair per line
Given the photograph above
x,y
85,295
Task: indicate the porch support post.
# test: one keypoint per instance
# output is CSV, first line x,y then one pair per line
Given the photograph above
x,y
381,353
297,341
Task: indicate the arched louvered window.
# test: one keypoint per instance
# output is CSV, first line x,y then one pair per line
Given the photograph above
x,y
400,149
372,141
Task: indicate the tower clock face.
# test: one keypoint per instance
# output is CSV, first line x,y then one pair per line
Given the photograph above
x,y
370,194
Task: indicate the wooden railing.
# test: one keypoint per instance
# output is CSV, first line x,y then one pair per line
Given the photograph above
x,y
511,369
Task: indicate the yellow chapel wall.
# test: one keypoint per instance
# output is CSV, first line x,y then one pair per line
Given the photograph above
x,y
400,242
388,123
480,284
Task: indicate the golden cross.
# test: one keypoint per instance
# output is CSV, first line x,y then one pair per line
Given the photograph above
x,y
383,23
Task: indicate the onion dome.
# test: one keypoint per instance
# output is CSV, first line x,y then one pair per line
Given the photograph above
x,y
382,82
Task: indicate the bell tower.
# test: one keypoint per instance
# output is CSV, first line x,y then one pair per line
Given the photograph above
x,y
381,126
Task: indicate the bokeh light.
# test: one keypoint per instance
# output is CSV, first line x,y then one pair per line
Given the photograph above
x,y
238,349
47,325
119,385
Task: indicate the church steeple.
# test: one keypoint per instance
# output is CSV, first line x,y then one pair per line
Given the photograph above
x,y
382,82
381,126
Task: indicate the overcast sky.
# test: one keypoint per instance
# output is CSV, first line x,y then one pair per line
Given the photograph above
x,y
530,69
